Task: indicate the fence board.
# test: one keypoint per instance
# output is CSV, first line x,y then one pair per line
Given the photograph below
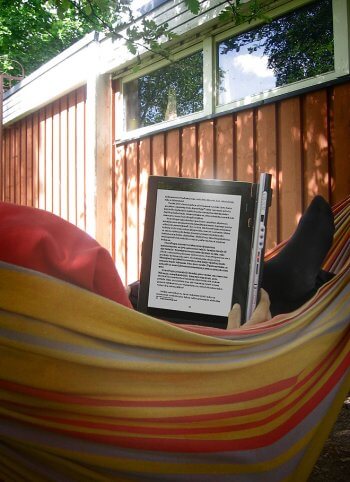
x,y
49,158
340,135
23,163
17,165
266,161
224,148
8,167
206,150
315,129
56,159
35,159
189,152
42,163
119,225
158,155
28,149
132,208
172,153
72,155
80,159
144,172
64,157
290,176
245,146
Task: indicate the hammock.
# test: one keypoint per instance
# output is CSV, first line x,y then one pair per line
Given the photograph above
x,y
93,391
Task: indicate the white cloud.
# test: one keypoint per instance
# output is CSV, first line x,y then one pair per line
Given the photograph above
x,y
252,64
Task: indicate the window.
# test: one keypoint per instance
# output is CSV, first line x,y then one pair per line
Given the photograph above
x,y
165,94
305,43
288,49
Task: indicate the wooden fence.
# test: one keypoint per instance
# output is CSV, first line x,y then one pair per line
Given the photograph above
x,y
302,141
43,159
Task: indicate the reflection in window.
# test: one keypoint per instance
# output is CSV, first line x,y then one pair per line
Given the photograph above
x,y
167,93
289,49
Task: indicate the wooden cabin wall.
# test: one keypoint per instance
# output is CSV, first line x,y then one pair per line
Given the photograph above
x,y
302,141
43,159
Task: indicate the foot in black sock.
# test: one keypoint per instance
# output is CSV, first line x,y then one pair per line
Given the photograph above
x,y
292,276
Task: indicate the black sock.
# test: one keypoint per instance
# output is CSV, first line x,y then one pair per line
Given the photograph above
x,y
293,275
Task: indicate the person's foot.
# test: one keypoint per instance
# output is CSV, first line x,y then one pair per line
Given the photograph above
x,y
294,275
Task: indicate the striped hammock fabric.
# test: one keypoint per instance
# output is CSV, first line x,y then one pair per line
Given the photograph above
x,y
93,391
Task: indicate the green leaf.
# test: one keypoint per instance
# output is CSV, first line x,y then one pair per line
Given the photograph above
x,y
225,15
87,10
193,6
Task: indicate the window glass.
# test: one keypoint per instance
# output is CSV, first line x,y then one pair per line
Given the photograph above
x,y
288,49
170,92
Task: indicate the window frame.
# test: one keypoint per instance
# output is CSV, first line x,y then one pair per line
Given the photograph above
x,y
341,55
142,131
341,32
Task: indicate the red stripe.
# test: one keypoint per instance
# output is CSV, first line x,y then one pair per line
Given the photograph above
x,y
225,399
188,446
319,371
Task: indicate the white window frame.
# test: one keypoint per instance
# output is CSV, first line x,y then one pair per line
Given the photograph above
x,y
341,31
123,134
341,54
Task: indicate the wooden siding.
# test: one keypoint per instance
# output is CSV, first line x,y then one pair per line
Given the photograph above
x,y
302,141
43,161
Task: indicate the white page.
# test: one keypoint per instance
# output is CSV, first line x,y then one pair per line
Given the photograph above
x,y
194,251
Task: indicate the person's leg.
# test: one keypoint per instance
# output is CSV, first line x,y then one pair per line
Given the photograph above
x,y
294,275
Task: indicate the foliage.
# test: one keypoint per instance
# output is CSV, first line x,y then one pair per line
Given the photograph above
x,y
31,33
34,31
179,88
298,45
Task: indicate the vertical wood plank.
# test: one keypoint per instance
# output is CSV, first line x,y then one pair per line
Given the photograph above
x,y
48,157
290,164
315,126
245,146
132,212
224,148
64,157
42,164
144,172
56,159
72,152
18,163
158,155
206,150
7,165
266,158
36,140
80,159
173,154
23,162
120,230
16,186
29,157
2,159
13,165
340,135
189,152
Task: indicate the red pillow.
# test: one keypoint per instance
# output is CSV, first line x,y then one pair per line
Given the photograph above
x,y
41,241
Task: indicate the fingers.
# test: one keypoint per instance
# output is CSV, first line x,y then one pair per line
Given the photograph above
x,y
234,317
261,313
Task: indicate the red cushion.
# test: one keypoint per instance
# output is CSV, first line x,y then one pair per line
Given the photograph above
x,y
41,241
